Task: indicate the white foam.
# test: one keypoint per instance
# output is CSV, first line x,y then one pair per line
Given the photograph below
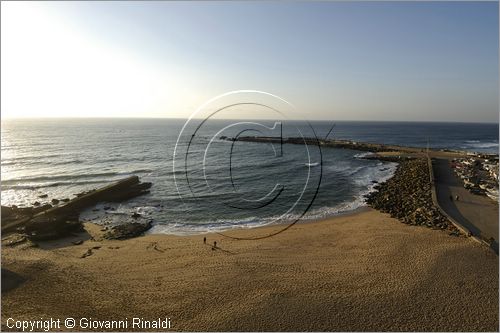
x,y
476,144
364,154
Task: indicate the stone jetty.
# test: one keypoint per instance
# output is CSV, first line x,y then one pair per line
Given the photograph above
x,y
407,197
343,144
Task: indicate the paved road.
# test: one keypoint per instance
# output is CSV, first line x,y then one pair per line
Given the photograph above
x,y
476,212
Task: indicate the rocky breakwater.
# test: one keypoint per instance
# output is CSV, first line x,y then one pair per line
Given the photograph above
x,y
47,222
407,197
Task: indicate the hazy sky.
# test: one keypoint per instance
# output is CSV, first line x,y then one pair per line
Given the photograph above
x,y
333,60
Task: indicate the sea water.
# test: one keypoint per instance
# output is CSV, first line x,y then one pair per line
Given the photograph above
x,y
227,185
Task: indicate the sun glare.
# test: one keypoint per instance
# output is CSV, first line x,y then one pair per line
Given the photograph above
x,y
50,69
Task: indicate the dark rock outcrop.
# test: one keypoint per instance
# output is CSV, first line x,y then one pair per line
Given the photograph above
x,y
42,208
47,227
45,222
128,230
16,217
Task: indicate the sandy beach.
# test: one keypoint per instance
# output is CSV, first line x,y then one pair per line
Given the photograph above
x,y
364,272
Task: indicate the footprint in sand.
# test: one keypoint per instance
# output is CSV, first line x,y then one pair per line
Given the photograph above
x,y
89,252
155,246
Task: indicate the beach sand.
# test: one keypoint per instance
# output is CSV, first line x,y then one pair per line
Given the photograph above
x,y
363,272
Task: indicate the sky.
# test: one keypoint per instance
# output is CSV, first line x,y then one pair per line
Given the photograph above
x,y
388,61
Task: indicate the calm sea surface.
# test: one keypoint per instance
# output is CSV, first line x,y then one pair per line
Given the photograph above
x,y
202,183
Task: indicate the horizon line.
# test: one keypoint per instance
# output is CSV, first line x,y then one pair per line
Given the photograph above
x,y
312,120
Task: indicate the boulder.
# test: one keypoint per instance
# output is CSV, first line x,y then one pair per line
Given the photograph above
x,y
127,230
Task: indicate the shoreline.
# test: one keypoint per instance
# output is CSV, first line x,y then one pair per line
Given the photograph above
x,y
354,211
352,272
281,225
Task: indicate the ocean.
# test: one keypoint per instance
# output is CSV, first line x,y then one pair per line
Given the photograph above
x,y
202,183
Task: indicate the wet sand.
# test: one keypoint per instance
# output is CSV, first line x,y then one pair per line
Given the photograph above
x,y
363,272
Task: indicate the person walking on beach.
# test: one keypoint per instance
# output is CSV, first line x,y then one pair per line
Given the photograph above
x,y
451,198
204,240
457,197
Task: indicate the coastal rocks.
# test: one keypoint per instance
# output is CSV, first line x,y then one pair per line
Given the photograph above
x,y
54,201
45,222
81,194
131,192
17,240
407,196
47,227
125,189
42,208
128,230
14,239
394,158
15,217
